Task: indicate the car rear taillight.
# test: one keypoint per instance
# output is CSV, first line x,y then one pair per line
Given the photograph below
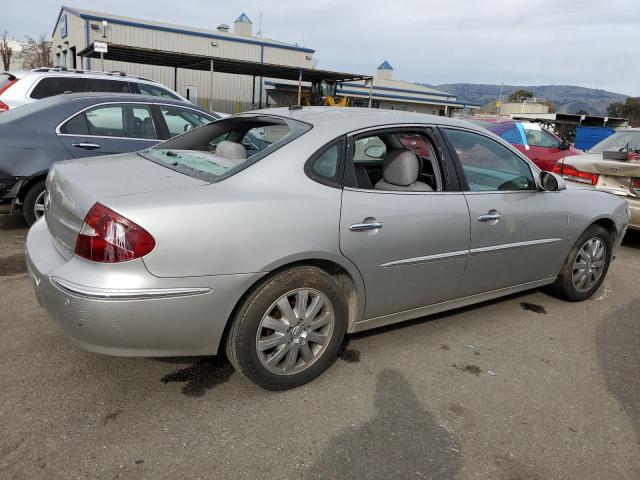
x,y
3,107
557,167
108,237
572,173
634,188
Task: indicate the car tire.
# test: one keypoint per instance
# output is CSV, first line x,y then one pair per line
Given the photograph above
x,y
32,198
584,269
249,337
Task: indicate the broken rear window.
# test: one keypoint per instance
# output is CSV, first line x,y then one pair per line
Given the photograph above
x,y
220,149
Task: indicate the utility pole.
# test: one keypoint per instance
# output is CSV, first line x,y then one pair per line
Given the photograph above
x,y
499,103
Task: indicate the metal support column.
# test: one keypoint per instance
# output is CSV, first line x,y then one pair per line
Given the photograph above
x,y
370,91
253,93
300,87
211,87
175,79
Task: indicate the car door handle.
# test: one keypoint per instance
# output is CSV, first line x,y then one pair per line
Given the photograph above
x,y
489,217
86,146
363,227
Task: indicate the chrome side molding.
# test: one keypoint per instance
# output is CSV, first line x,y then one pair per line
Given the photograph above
x,y
125,294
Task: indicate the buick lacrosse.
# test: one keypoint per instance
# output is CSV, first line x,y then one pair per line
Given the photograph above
x,y
339,221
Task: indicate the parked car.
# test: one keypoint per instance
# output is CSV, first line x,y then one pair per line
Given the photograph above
x,y
36,135
538,144
613,165
194,246
20,88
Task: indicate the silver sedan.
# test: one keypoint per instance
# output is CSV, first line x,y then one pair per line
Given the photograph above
x,y
272,234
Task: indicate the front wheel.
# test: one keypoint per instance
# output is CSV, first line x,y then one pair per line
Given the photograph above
x,y
586,265
289,330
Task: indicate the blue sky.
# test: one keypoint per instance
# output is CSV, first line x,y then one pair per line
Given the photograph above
x,y
591,43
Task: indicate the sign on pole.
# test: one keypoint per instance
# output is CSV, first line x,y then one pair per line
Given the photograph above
x,y
100,47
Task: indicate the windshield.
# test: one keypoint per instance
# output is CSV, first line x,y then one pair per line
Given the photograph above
x,y
618,142
220,149
28,109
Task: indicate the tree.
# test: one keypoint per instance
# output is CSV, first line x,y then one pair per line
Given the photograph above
x,y
629,109
6,52
519,96
36,53
551,105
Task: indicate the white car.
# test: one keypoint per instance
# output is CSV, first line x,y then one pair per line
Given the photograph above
x,y
19,88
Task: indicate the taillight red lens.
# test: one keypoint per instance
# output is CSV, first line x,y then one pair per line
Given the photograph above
x,y
635,186
572,173
108,237
8,84
557,167
3,107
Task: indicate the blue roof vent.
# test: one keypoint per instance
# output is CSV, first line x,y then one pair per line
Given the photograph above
x,y
243,19
385,66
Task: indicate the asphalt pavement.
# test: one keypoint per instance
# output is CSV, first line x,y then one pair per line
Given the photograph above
x,y
525,387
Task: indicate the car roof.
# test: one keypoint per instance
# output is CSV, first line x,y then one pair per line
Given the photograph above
x,y
98,97
354,118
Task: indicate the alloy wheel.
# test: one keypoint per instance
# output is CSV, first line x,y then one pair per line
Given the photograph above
x,y
295,331
38,206
589,264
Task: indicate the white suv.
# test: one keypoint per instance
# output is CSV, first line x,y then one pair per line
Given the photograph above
x,y
20,88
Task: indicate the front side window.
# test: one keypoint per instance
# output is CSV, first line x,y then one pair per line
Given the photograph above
x,y
155,91
180,120
50,86
538,137
122,121
488,165
103,85
220,149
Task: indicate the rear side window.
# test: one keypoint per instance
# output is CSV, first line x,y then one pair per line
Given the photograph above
x,y
155,91
102,85
50,86
123,121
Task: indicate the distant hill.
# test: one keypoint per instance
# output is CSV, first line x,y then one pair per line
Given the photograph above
x,y
568,98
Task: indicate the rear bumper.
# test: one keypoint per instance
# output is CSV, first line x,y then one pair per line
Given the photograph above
x,y
121,309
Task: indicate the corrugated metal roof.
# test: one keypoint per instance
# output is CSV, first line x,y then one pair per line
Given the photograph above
x,y
170,27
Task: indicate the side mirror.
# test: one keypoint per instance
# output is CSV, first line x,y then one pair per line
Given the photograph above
x,y
564,145
374,151
550,182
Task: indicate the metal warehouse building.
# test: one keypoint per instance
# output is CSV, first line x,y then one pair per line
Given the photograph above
x,y
76,29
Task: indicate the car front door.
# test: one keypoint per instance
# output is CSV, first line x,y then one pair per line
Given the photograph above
x,y
107,129
410,246
517,231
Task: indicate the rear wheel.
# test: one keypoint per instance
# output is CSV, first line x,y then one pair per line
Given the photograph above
x,y
586,265
33,206
289,330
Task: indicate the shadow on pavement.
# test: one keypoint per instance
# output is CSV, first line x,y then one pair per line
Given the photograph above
x,y
401,440
12,222
631,239
618,344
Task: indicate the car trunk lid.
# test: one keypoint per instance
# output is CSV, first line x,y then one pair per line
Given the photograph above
x,y
614,176
74,187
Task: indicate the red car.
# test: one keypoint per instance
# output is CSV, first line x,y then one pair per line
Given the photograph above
x,y
538,144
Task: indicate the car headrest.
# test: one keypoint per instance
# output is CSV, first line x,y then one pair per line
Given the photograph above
x,y
231,150
400,167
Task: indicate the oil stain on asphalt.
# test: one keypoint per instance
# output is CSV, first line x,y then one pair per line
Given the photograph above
x,y
12,265
400,431
532,307
201,376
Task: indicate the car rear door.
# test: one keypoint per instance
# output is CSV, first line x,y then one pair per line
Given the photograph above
x,y
109,128
410,246
517,231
